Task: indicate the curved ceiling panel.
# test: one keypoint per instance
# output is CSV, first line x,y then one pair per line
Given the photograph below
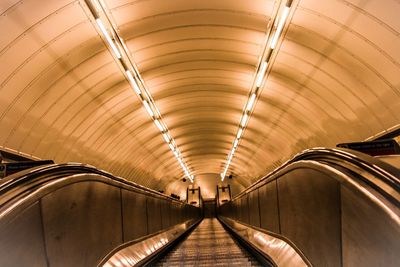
x,y
334,79
63,95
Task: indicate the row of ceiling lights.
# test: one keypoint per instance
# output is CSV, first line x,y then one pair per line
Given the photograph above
x,y
121,52
262,70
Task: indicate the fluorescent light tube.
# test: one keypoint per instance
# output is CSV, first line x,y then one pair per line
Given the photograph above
x,y
226,170
148,108
108,38
171,146
231,154
159,126
166,137
223,175
281,23
173,142
236,143
244,120
239,134
251,102
133,82
261,73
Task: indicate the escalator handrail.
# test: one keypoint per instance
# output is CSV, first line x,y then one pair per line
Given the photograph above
x,y
71,168
381,170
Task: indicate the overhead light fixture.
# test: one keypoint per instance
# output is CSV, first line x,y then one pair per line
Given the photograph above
x,y
259,78
148,108
244,120
233,151
120,50
159,126
261,73
281,23
236,143
171,147
223,176
183,166
132,81
108,38
251,102
166,137
229,162
239,133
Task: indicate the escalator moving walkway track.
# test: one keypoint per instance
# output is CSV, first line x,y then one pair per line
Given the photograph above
x,y
208,245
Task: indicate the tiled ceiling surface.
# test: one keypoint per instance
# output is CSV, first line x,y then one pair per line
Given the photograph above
x,y
334,77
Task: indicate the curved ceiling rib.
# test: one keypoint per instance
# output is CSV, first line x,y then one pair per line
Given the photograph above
x,y
269,51
334,77
121,52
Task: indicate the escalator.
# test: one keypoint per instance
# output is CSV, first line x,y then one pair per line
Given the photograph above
x,y
328,207
325,207
76,215
208,245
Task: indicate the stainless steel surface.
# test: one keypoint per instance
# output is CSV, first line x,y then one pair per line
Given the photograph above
x,y
154,215
383,174
135,214
244,209
309,212
235,208
137,251
317,215
370,236
254,212
277,249
79,214
393,160
269,214
166,214
81,223
21,240
208,245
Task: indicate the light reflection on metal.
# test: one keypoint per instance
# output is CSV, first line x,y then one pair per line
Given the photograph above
x,y
281,252
132,254
120,51
388,210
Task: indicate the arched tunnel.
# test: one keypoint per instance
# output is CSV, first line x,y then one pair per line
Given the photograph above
x,y
136,126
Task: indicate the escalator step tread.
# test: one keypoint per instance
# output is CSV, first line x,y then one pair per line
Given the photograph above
x,y
208,245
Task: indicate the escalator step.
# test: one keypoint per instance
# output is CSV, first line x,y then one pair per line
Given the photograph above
x,y
208,245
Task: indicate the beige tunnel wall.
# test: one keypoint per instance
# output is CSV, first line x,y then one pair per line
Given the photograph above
x,y
334,78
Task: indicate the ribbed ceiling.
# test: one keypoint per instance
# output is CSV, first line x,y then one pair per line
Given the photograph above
x,y
334,77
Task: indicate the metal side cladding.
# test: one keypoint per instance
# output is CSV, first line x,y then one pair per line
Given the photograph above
x,y
334,206
75,215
